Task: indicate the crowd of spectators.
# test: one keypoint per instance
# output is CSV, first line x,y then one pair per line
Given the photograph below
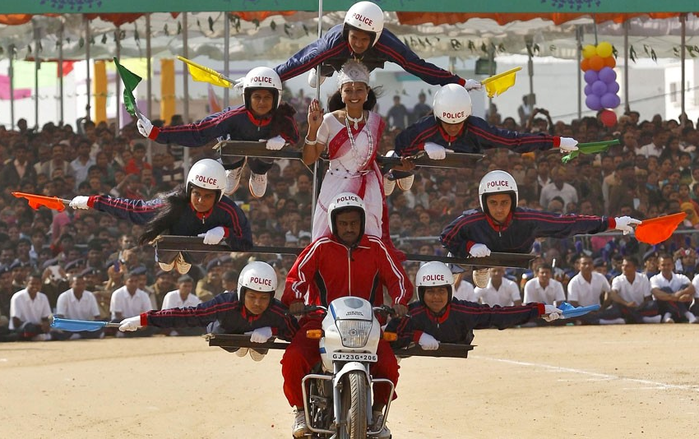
x,y
653,171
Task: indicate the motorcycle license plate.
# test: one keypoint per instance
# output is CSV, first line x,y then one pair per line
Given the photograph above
x,y
370,358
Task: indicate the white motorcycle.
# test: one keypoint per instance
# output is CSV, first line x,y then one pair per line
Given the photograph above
x,y
338,396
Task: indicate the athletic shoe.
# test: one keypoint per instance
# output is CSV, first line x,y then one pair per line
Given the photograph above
x,y
233,179
406,183
257,184
241,352
667,318
385,433
299,429
388,185
481,276
181,265
258,355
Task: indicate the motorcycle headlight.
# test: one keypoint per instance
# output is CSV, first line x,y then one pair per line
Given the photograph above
x,y
354,333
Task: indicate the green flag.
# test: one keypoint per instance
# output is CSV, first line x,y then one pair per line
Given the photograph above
x,y
589,148
130,81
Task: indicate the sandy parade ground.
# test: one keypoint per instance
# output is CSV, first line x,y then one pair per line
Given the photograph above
x,y
639,381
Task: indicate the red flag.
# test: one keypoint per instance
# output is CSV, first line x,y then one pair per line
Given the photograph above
x,y
36,201
656,230
67,68
214,106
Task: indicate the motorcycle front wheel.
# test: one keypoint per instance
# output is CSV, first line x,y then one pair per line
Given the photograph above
x,y
354,406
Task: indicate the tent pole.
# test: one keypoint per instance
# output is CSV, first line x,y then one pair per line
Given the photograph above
x,y
316,183
61,29
11,74
578,37
683,22
185,85
88,107
529,41
626,66
226,56
37,66
117,82
149,87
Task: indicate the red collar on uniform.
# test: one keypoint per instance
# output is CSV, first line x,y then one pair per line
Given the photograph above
x,y
201,215
498,226
259,122
446,136
441,318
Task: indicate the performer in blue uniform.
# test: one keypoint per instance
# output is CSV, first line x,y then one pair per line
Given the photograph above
x,y
499,225
251,310
363,37
261,117
198,209
439,318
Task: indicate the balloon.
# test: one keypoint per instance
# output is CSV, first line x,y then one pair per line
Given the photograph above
x,y
607,75
590,76
585,65
588,90
610,62
589,51
610,100
604,49
613,87
608,118
596,63
593,102
599,88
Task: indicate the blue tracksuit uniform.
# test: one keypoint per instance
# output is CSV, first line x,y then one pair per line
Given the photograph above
x,y
225,314
332,50
518,233
475,136
225,213
455,324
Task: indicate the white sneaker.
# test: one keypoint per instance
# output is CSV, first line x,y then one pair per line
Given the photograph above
x,y
385,433
667,318
181,265
233,179
241,352
481,276
691,318
257,184
41,337
257,355
299,429
388,185
406,183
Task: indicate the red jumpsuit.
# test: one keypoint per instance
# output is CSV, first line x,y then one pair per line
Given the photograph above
x,y
326,270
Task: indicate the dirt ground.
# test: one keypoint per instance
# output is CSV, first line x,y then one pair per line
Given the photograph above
x,y
584,382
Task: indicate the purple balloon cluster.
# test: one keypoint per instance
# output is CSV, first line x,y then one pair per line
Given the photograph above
x,y
601,89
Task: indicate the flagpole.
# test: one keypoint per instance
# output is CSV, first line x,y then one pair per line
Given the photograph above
x,y
185,79
117,128
226,56
36,74
61,29
316,187
11,74
87,59
149,87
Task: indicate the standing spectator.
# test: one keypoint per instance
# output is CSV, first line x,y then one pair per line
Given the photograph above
x,y
79,304
16,169
397,115
631,297
543,288
674,292
625,191
171,175
137,162
30,311
558,188
421,109
82,162
130,301
182,297
656,147
500,290
57,161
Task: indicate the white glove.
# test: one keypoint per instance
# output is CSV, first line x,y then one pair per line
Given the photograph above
x,y
261,335
428,343
275,143
479,251
213,236
79,202
312,78
472,84
624,223
238,85
552,313
568,144
130,324
144,125
435,152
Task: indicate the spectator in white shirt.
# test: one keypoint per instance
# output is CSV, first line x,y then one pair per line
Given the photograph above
x,y
500,290
79,304
631,297
656,147
130,301
588,287
558,188
674,292
182,297
543,288
30,311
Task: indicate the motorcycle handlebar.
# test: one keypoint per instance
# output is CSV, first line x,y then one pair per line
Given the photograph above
x,y
384,310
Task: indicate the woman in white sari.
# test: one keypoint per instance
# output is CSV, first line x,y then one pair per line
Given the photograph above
x,y
350,133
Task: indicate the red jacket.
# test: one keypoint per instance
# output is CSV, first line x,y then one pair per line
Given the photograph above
x,y
327,269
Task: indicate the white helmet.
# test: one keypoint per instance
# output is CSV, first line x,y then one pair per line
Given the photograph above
x,y
265,78
207,174
343,202
497,182
452,104
257,276
365,16
433,274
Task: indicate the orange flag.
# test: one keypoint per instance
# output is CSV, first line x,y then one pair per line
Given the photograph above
x,y
36,201
656,230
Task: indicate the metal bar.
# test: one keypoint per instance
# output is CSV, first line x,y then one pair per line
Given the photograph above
x,y
226,57
117,83
578,37
683,58
37,66
61,30
626,66
316,168
185,78
88,83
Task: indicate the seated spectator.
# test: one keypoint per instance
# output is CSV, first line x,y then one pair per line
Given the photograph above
x,y
78,303
543,288
129,301
631,297
674,292
500,290
30,312
182,297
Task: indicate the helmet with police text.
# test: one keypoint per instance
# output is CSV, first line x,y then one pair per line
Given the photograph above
x,y
452,104
497,182
364,16
345,202
257,276
207,174
433,274
262,78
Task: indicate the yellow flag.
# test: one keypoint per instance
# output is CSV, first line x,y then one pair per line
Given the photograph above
x,y
496,85
205,74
